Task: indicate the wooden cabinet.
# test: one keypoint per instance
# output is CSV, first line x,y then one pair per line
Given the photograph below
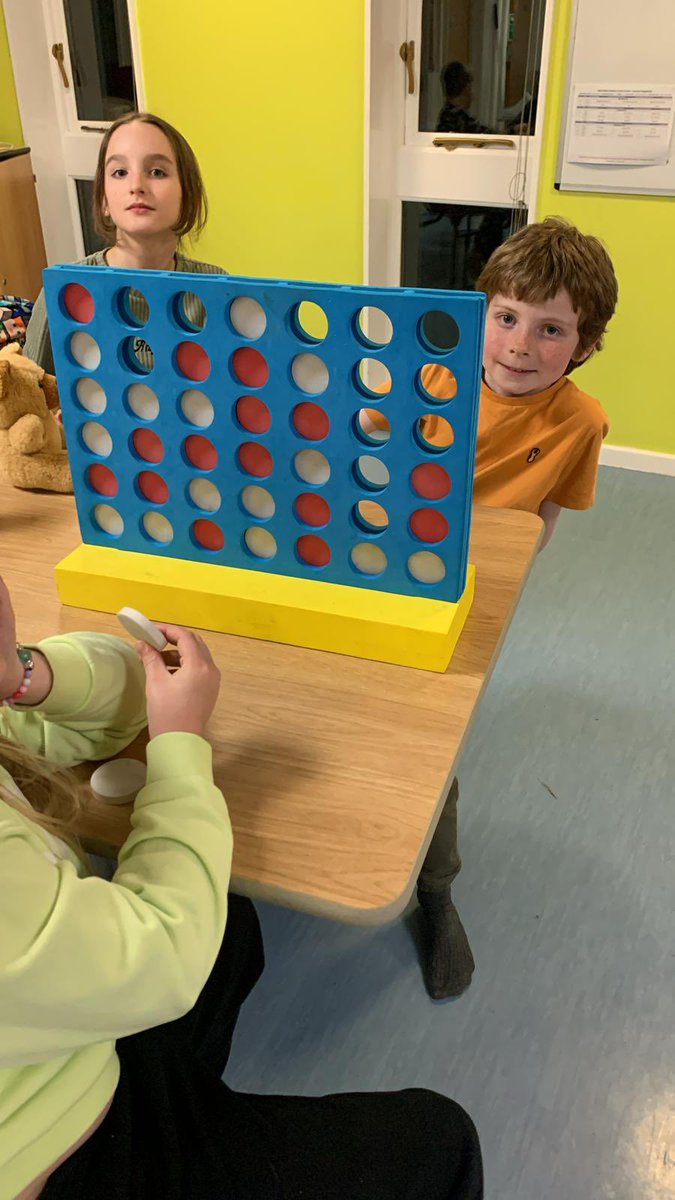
x,y
22,248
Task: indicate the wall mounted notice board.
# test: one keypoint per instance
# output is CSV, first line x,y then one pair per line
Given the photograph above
x,y
617,132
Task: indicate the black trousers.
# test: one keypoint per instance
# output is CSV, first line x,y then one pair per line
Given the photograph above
x,y
175,1131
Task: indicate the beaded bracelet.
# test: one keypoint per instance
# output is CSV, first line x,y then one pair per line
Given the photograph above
x,y
26,659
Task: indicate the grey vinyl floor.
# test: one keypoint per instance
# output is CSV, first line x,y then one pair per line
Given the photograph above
x,y
563,1049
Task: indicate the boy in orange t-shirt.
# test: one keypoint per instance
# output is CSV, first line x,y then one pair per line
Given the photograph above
x,y
551,292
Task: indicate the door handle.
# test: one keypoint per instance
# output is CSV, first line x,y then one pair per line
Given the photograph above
x,y
57,52
407,53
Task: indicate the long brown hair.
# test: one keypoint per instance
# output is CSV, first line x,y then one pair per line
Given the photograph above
x,y
55,794
194,205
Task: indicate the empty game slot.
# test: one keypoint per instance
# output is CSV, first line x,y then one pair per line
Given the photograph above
x,y
372,378
437,384
371,473
137,355
433,433
373,327
370,517
188,312
309,322
438,332
132,307
372,426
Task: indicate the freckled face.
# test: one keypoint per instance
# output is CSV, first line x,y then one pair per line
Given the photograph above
x,y
528,346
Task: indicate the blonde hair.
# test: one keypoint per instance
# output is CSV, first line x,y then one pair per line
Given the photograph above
x,y
55,794
540,260
194,207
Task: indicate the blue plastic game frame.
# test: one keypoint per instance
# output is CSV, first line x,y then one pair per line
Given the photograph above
x,y
344,346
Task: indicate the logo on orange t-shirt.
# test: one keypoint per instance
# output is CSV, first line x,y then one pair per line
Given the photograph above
x,y
534,453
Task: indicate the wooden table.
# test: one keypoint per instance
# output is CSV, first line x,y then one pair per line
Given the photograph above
x,y
334,769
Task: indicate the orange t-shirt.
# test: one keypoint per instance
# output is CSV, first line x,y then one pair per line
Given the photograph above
x,y
534,448
530,448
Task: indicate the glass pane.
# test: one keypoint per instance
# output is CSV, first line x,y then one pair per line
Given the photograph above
x,y
479,65
100,53
447,245
85,196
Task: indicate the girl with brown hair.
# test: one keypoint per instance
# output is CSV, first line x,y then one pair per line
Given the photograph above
x,y
148,196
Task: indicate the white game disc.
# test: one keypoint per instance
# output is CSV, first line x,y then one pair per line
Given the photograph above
x,y
119,781
141,628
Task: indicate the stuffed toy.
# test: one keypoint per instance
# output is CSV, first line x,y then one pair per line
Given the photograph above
x,y
32,444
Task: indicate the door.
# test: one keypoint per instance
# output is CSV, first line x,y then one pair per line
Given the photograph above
x,y
76,71
456,95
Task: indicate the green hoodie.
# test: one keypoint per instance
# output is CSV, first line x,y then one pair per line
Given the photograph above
x,y
84,961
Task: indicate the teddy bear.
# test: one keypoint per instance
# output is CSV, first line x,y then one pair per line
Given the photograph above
x,y
32,444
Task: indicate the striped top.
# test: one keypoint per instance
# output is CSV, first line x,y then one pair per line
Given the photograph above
x,y
38,341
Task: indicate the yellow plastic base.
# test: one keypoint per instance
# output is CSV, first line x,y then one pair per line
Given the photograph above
x,y
410,631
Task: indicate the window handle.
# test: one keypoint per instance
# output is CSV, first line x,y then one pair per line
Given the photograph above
x,y
407,53
452,143
57,51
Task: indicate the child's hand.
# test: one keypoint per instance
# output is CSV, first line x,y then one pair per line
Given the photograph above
x,y
11,670
180,700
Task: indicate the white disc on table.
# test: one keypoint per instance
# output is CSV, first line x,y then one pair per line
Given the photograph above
x,y
142,401
426,567
258,501
91,396
369,559
141,628
204,495
260,541
108,519
158,527
248,317
119,781
197,408
312,466
310,373
85,350
97,439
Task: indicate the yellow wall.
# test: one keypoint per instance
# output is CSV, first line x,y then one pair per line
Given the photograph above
x,y
10,121
271,97
633,376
